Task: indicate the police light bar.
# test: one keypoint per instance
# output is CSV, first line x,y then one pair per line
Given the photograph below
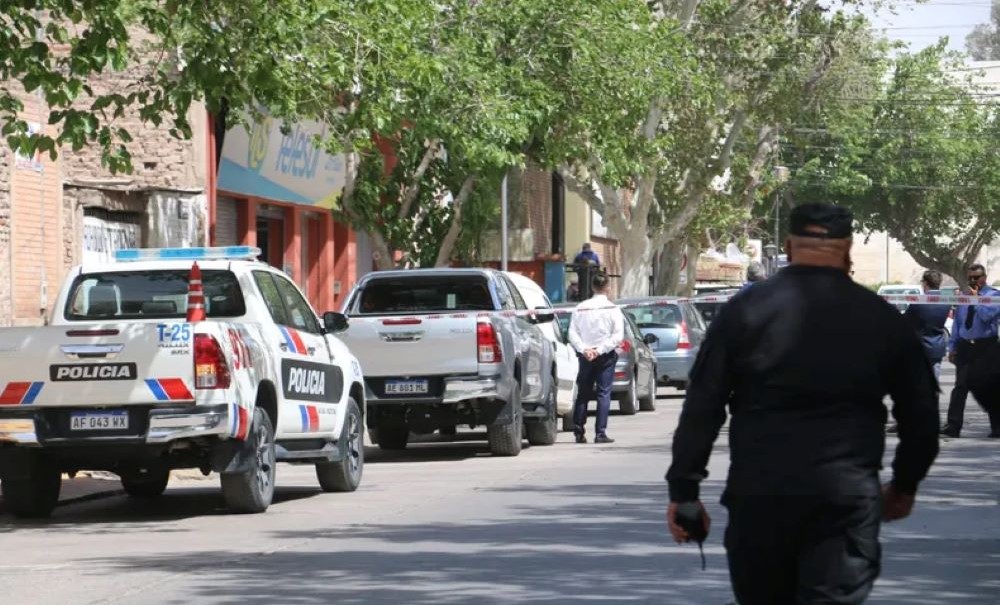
x,y
224,252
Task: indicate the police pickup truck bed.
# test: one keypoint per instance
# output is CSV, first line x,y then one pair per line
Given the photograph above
x,y
444,347
131,377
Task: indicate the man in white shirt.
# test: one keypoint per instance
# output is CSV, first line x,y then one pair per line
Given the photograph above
x,y
596,330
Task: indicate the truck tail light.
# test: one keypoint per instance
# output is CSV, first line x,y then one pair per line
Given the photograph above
x,y
487,343
210,368
684,340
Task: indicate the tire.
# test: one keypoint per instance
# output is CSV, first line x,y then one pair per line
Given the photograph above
x,y
629,401
544,432
648,404
393,436
505,439
148,484
35,497
567,423
345,475
252,491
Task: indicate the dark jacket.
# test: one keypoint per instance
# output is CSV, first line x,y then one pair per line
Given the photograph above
x,y
804,361
928,321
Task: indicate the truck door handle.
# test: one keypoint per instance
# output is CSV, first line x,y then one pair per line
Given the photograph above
x,y
312,350
283,347
92,351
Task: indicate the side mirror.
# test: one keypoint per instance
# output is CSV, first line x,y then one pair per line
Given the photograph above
x,y
334,322
650,339
542,316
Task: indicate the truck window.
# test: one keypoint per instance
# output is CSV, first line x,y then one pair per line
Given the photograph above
x,y
424,294
272,298
514,293
300,314
160,294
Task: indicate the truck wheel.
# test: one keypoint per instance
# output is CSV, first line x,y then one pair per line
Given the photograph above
x,y
146,483
629,400
544,432
345,475
393,435
648,404
505,439
36,496
252,490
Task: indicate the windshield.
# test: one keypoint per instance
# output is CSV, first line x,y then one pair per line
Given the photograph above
x,y
658,316
431,294
150,295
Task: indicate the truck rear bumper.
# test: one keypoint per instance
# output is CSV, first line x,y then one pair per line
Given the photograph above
x,y
456,389
34,427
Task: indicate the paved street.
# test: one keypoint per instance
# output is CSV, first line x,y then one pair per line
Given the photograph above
x,y
446,523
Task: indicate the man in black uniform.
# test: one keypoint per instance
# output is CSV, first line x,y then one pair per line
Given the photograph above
x,y
804,361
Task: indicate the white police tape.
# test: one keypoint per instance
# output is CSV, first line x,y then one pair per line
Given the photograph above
x,y
909,299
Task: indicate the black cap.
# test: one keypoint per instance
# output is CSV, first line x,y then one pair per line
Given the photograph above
x,y
824,221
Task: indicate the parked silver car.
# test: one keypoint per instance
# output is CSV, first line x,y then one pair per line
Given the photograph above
x,y
679,330
634,386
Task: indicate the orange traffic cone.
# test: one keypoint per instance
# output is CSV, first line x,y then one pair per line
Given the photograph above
x,y
196,296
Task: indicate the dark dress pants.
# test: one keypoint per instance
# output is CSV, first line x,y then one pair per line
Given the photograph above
x,y
803,550
966,354
593,380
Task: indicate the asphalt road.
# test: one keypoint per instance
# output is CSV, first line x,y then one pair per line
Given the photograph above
x,y
445,523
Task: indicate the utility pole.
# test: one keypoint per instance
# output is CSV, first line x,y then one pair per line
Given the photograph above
x,y
503,223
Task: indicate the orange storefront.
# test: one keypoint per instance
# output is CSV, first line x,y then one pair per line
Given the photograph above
x,y
275,191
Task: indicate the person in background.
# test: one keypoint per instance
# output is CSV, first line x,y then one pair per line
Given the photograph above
x,y
587,265
973,333
803,362
755,273
596,330
573,291
928,321
587,256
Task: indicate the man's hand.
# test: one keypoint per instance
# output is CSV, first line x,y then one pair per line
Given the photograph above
x,y
951,357
895,504
590,354
681,536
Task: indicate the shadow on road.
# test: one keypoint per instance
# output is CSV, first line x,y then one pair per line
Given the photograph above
x,y
599,544
120,513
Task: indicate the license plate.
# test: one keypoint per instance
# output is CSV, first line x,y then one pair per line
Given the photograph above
x,y
99,421
405,387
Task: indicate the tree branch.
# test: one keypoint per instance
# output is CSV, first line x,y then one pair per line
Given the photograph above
x,y
413,187
448,243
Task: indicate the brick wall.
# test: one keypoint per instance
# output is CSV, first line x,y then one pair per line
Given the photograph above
x,y
5,277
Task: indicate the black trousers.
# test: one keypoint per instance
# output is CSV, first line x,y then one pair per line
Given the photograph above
x,y
802,550
966,354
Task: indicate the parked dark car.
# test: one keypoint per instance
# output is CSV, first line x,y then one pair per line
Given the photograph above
x,y
707,306
678,329
634,386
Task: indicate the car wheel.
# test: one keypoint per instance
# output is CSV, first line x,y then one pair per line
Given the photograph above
x,y
648,403
544,432
252,490
345,475
505,439
146,482
628,401
35,496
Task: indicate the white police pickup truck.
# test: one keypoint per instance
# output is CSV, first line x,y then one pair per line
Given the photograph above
x,y
128,378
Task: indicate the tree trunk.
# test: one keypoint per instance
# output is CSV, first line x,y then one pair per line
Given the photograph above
x,y
636,263
451,237
668,268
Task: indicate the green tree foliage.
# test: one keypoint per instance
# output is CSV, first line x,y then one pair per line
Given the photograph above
x,y
983,42
913,155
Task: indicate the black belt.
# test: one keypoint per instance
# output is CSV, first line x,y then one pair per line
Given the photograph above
x,y
977,341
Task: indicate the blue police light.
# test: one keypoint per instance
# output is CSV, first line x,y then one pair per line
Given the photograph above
x,y
224,252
